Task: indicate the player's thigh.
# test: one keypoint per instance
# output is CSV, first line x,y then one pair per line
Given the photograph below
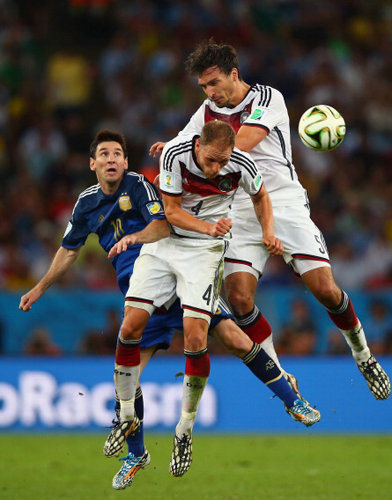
x,y
245,252
199,274
304,243
151,284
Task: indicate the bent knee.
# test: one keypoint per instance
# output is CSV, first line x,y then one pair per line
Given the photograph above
x,y
131,330
195,341
240,302
328,293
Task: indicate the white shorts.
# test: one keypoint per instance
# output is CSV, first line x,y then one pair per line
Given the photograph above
x,y
192,269
304,244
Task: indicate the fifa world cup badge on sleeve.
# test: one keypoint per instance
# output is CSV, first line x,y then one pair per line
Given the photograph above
x,y
125,203
168,181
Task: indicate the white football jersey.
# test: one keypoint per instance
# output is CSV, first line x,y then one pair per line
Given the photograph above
x,y
204,198
263,107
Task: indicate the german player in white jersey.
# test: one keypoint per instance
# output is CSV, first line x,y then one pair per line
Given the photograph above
x,y
198,178
259,116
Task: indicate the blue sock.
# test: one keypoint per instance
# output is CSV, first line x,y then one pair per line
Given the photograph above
x,y
136,442
283,390
266,370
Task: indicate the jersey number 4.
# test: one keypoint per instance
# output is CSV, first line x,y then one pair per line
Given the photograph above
x,y
196,209
208,295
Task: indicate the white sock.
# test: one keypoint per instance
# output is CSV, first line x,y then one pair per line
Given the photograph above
x,y
355,338
193,388
269,348
126,379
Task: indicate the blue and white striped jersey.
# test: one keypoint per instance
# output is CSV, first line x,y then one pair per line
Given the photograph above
x,y
134,205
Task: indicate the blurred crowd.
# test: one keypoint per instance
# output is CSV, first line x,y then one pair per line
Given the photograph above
x,y
71,67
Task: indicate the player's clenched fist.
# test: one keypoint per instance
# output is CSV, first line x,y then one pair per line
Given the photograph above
x,y
273,244
222,227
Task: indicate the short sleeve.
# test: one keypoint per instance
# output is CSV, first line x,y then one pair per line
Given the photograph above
x,y
77,229
170,178
268,109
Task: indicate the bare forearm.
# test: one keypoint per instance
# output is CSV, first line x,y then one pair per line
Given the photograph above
x,y
62,261
263,210
186,221
156,230
177,216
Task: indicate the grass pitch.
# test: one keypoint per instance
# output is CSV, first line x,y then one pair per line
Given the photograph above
x,y
226,467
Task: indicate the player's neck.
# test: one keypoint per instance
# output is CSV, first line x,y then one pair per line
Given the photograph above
x,y
241,90
109,188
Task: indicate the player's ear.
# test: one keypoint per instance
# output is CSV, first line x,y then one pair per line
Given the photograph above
x,y
126,164
234,74
197,145
92,164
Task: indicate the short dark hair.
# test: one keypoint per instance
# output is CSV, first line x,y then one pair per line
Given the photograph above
x,y
108,136
208,54
218,130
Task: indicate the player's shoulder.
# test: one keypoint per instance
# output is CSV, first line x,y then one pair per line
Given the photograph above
x,y
179,143
265,95
137,183
134,179
89,195
177,147
241,157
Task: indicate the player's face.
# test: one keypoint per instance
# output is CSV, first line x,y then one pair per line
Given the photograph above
x,y
212,158
220,88
109,163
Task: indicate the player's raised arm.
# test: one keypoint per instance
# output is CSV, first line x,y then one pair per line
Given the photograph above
x,y
62,261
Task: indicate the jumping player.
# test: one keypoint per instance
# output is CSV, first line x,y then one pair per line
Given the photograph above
x,y
259,116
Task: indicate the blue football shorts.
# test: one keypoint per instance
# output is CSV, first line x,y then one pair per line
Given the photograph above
x,y
160,327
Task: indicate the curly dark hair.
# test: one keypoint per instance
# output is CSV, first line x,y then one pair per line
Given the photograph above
x,y
108,136
208,54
